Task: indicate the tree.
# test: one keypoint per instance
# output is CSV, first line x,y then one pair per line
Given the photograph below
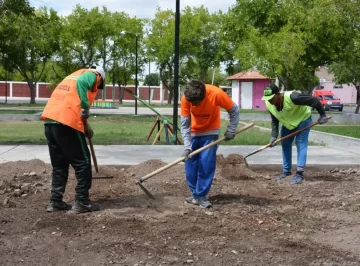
x,y
346,67
200,42
32,42
152,80
160,44
288,39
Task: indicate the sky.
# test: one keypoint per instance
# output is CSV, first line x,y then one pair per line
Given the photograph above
x,y
138,8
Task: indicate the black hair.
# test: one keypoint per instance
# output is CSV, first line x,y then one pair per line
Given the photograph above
x,y
195,91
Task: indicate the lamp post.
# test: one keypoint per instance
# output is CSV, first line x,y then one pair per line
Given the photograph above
x,y
176,70
149,83
6,77
136,65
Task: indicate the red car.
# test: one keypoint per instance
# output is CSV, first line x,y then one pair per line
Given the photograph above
x,y
328,100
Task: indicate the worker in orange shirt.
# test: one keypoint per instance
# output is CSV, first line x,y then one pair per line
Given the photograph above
x,y
64,116
200,125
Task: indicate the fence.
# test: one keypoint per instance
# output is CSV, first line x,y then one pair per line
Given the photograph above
x,y
19,92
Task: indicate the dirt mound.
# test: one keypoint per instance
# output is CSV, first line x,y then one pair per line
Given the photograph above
x,y
144,168
233,167
23,168
23,178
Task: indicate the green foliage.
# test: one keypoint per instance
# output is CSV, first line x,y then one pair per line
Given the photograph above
x,y
286,39
152,80
31,39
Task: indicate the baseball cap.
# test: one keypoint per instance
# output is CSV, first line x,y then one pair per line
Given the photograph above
x,y
269,92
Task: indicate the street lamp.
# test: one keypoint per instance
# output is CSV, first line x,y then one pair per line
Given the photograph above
x,y
176,69
136,65
149,82
6,76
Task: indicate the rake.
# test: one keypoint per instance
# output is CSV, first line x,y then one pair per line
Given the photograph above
x,y
281,139
99,177
142,179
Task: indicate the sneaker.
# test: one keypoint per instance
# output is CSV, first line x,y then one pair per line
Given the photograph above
x,y
192,200
204,203
298,178
81,207
283,175
58,206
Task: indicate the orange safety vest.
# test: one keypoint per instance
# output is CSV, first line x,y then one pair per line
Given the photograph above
x,y
64,103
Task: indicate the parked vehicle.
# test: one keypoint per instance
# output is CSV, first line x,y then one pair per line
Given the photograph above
x,y
328,100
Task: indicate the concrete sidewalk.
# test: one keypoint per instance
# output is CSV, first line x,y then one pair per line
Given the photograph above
x,y
135,154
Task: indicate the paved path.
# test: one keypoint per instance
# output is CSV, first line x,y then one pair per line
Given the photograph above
x,y
135,154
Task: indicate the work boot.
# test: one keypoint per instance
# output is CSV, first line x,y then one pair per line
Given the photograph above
x,y
283,175
204,203
297,179
58,206
192,200
81,207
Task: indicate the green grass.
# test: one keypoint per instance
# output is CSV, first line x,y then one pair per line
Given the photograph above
x,y
345,129
18,111
113,129
349,131
21,105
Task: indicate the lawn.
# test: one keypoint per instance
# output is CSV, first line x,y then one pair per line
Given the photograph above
x,y
22,105
15,111
113,129
350,130
345,130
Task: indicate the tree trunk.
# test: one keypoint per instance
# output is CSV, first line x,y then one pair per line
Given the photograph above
x,y
121,94
32,87
170,95
357,99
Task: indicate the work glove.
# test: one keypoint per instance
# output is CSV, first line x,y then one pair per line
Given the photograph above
x,y
229,135
186,154
272,142
85,113
89,133
323,119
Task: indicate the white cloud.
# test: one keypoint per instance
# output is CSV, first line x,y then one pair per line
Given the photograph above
x,y
138,8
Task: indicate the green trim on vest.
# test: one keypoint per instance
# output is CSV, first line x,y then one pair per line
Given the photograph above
x,y
291,115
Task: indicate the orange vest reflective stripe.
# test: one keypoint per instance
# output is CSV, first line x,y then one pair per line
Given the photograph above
x,y
64,103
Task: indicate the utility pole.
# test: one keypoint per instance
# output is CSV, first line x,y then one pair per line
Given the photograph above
x,y
176,71
149,83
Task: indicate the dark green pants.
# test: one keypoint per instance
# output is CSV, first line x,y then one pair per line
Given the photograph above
x,y
67,146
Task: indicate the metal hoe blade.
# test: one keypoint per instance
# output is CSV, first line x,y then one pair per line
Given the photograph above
x,y
147,192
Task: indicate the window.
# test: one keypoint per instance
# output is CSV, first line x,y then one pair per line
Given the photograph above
x,y
331,97
338,86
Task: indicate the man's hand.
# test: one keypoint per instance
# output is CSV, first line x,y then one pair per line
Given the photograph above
x,y
229,135
272,142
323,119
186,154
89,133
85,114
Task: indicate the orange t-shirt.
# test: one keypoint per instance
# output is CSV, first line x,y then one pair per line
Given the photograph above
x,y
206,116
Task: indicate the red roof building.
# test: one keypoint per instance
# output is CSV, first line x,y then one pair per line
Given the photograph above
x,y
247,89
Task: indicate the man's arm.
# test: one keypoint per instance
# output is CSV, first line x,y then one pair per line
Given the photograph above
x,y
84,84
186,132
274,126
303,99
234,115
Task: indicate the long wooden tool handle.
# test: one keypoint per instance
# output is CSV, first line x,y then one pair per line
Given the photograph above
x,y
281,139
191,154
91,147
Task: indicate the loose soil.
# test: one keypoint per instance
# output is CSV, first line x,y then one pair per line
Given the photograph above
x,y
254,220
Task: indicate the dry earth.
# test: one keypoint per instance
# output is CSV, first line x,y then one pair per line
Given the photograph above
x,y
254,221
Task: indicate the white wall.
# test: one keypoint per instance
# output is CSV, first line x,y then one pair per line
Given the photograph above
x,y
235,92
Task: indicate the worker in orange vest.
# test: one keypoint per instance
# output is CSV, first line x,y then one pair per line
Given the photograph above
x,y
200,125
64,113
